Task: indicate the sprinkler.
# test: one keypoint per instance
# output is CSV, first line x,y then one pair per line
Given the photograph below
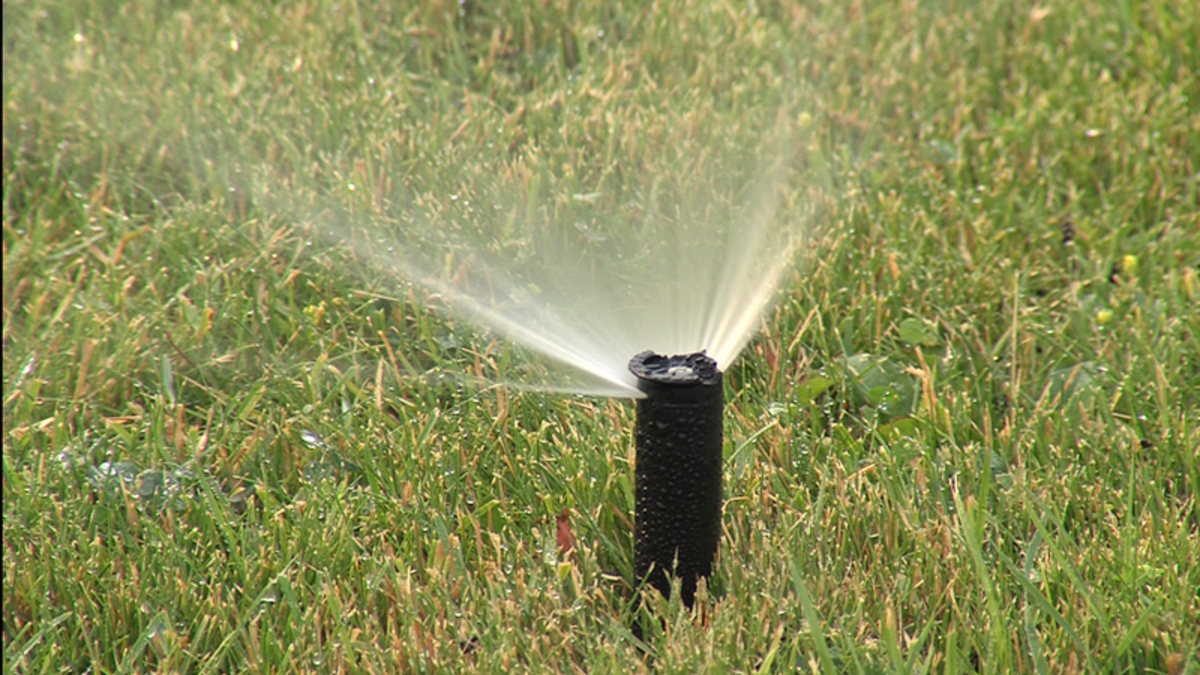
x,y
678,475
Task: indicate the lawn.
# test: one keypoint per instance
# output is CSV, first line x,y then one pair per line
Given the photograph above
x,y
238,437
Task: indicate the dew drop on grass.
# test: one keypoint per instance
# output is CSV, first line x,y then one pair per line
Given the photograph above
x,y
312,440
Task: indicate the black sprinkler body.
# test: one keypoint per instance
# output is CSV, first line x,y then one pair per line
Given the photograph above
x,y
678,473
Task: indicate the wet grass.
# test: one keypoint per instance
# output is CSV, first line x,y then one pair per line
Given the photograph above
x,y
965,441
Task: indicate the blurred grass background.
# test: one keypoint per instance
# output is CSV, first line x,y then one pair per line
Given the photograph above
x,y
966,441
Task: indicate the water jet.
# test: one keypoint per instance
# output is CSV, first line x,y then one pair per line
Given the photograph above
x,y
678,434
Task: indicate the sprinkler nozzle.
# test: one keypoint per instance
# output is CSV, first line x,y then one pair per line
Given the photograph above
x,y
678,473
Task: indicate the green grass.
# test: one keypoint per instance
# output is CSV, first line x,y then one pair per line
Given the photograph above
x,y
966,441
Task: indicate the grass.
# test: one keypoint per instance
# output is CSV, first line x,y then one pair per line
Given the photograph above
x,y
965,441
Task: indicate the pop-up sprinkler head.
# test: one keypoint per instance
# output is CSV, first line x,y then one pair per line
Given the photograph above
x,y
679,461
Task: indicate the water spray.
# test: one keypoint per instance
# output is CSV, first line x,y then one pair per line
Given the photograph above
x,y
715,261
678,434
